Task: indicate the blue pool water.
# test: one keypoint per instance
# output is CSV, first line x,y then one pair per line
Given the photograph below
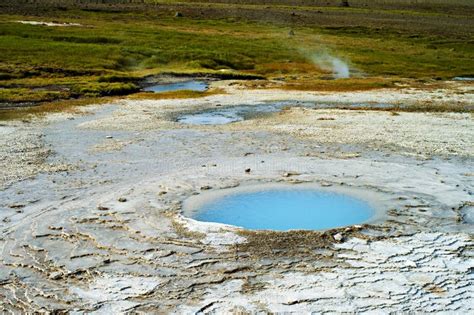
x,y
286,209
210,118
191,85
221,116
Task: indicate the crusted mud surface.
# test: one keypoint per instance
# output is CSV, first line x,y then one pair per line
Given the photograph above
x,y
91,218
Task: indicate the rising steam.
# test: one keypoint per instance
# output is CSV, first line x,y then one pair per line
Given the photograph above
x,y
328,62
338,67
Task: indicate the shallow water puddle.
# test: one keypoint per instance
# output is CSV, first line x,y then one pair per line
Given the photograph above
x,y
225,115
191,85
230,114
285,209
210,118
463,78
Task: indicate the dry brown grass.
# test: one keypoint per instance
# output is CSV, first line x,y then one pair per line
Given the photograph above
x,y
340,85
286,68
174,94
69,106
291,243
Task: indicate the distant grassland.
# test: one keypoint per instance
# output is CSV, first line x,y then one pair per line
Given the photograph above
x,y
354,3
442,6
116,47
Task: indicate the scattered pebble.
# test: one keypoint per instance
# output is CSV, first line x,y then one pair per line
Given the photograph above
x,y
16,206
288,174
326,118
411,263
55,275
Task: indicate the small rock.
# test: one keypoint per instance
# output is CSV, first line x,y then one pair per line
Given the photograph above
x,y
102,208
122,199
288,174
345,3
247,170
338,237
161,193
56,275
326,118
16,206
108,137
411,263
205,187
178,14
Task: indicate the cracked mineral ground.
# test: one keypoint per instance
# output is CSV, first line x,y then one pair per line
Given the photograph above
x,y
92,219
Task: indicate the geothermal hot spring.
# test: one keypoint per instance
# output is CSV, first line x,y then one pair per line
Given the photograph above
x,y
230,114
282,209
191,85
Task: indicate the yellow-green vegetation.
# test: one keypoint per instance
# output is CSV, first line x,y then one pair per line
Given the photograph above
x,y
29,95
350,84
175,94
70,105
113,49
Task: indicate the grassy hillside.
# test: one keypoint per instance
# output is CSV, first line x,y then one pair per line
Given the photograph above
x,y
118,43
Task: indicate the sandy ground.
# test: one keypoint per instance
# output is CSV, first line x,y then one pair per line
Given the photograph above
x,y
91,208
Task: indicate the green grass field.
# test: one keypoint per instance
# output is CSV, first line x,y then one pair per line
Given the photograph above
x,y
113,49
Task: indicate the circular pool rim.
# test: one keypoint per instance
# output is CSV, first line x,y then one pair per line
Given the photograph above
x,y
377,201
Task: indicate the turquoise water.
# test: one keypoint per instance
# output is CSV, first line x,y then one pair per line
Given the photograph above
x,y
191,85
286,209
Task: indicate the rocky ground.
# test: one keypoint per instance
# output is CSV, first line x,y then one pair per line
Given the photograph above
x,y
91,207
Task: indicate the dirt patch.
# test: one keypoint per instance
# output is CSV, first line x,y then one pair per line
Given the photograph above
x,y
293,244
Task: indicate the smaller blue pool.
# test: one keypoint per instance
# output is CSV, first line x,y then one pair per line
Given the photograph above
x,y
286,209
191,85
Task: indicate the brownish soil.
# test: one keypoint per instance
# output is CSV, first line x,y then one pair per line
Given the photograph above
x,y
428,17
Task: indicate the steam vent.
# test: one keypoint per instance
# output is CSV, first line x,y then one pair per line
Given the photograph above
x,y
236,157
